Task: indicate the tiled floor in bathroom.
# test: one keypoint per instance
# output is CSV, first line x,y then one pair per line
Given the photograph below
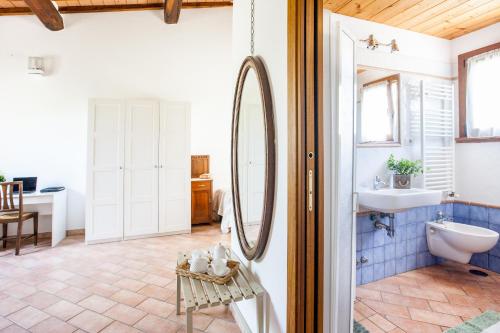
x,y
121,287
426,300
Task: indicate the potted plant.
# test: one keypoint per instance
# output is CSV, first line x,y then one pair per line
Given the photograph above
x,y
2,177
403,170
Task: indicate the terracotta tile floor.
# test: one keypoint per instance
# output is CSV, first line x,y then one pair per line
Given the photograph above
x,y
116,287
426,300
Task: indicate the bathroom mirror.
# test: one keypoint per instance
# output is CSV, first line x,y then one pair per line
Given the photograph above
x,y
253,157
378,109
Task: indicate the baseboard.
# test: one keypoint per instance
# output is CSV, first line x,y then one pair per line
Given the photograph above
x,y
238,317
75,232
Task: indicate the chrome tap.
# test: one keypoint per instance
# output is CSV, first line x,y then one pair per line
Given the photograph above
x,y
440,217
378,183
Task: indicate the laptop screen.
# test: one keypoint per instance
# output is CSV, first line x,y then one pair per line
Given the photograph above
x,y
29,184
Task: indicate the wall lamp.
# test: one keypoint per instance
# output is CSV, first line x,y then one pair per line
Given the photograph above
x,y
372,43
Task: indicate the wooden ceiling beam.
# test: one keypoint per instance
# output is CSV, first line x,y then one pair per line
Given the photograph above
x,y
47,13
114,8
172,11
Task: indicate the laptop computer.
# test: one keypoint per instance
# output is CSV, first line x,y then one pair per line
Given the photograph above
x,y
29,184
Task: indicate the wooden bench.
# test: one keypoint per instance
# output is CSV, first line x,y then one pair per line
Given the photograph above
x,y
200,294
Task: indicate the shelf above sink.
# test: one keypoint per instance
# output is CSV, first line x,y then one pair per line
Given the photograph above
x,y
392,200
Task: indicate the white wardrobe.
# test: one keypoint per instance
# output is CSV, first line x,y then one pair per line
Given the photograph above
x,y
138,171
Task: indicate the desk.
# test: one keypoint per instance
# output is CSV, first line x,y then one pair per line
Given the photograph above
x,y
53,204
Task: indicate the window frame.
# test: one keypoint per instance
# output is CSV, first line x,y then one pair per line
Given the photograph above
x,y
462,96
374,144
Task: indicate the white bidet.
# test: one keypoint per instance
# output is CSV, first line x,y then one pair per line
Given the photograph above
x,y
457,241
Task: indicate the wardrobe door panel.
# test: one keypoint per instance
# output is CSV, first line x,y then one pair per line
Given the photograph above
x,y
175,164
104,212
141,168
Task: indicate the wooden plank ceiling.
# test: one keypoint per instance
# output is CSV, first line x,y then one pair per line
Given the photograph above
x,y
441,18
19,7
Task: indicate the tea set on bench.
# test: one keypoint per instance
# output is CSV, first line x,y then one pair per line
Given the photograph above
x,y
212,278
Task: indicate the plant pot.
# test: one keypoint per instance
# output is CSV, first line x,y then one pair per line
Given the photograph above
x,y
402,181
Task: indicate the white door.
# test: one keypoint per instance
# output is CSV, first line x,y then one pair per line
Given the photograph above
x,y
141,168
175,167
340,111
104,218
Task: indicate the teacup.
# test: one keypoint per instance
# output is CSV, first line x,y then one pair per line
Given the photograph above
x,y
219,266
198,265
219,251
198,254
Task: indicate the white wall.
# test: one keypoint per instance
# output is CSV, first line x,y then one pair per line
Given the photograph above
x,y
477,164
271,44
109,55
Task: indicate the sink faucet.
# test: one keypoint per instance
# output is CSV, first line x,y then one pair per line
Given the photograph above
x,y
378,183
440,217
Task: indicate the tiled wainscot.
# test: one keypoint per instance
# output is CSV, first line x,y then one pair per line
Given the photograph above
x,y
408,249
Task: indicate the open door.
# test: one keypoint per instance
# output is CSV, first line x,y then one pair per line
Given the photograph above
x,y
340,200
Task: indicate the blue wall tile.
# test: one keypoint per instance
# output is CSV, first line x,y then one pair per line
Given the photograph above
x,y
368,254
495,227
400,218
482,224
421,229
421,244
422,215
366,224
400,249
378,254
494,215
400,233
390,252
358,276
378,271
461,210
496,250
411,246
411,230
379,238
421,260
480,259
478,213
412,215
366,274
401,265
494,263
411,262
390,268
367,240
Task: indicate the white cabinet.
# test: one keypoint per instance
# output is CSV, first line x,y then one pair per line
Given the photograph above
x,y
138,169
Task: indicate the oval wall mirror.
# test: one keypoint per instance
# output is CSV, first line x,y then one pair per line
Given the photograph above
x,y
253,158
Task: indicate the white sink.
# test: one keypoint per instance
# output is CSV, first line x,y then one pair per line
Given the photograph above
x,y
392,200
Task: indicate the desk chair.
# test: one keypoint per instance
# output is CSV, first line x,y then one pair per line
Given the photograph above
x,y
10,214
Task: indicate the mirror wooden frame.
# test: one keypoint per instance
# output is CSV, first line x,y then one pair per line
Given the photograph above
x,y
256,64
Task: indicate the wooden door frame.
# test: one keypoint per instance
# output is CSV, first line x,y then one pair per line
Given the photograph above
x,y
305,159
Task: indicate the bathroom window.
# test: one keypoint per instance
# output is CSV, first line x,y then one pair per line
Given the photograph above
x,y
379,112
479,79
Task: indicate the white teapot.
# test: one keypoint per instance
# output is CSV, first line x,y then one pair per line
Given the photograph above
x,y
219,252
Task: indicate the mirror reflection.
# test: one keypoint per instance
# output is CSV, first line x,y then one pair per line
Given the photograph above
x,y
378,108
251,158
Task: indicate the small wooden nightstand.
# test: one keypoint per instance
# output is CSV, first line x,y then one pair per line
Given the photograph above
x,y
201,200
201,190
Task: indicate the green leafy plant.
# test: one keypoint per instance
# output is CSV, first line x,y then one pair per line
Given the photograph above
x,y
404,166
2,178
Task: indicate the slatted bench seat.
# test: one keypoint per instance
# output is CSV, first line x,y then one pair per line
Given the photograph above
x,y
200,294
